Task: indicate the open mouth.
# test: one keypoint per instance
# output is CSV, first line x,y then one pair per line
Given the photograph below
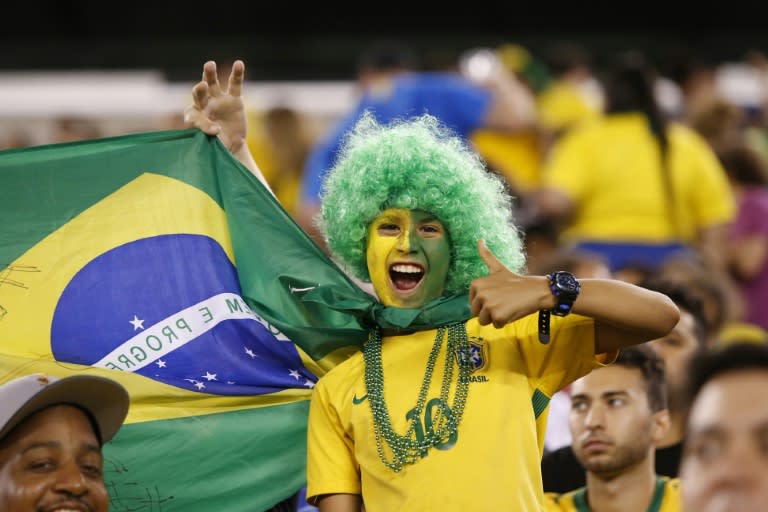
x,y
406,276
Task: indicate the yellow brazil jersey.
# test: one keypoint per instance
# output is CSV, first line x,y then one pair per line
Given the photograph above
x,y
666,498
611,169
492,463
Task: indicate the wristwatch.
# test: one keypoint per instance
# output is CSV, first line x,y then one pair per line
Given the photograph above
x,y
565,287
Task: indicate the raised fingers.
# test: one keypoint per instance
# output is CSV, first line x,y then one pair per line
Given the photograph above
x,y
236,78
211,77
200,95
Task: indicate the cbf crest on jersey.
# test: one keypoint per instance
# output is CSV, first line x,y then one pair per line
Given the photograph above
x,y
477,354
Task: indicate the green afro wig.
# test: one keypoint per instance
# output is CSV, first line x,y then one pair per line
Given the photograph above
x,y
417,164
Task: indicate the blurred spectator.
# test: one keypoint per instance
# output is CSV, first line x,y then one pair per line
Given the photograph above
x,y
516,155
574,94
687,340
280,144
393,88
757,116
720,300
720,122
742,332
747,249
633,186
618,416
699,84
578,262
725,462
635,273
16,140
73,128
541,240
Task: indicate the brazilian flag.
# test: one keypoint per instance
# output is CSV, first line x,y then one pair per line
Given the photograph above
x,y
158,260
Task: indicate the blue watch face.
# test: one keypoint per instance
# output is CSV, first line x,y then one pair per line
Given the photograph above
x,y
566,283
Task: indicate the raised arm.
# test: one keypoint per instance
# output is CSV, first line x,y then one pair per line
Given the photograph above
x,y
624,314
221,112
514,105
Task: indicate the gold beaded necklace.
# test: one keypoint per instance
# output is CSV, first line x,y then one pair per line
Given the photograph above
x,y
410,447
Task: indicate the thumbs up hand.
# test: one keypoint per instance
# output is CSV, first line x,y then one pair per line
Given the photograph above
x,y
504,296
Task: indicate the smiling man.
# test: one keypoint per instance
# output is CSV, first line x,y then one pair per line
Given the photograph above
x,y
444,409
51,435
725,459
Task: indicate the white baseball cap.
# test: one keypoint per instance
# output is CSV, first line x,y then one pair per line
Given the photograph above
x,y
106,400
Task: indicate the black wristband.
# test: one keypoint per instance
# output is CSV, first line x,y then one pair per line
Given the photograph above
x,y
544,326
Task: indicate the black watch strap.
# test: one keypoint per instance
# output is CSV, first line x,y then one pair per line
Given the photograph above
x,y
544,326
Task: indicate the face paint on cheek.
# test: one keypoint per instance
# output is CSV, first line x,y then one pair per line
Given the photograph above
x,y
379,248
438,254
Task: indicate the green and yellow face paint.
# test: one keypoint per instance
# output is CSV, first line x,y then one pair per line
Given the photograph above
x,y
408,254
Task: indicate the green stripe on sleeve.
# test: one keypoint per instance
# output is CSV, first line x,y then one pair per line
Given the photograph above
x,y
540,402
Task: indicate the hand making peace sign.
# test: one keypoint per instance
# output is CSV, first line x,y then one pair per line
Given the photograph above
x,y
219,112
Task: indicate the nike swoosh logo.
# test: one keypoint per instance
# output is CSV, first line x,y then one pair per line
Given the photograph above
x,y
358,401
294,290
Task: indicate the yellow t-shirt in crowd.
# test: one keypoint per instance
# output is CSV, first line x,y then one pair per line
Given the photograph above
x,y
666,498
285,183
515,156
611,169
494,461
563,104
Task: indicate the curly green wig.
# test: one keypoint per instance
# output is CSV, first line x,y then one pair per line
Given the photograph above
x,y
417,164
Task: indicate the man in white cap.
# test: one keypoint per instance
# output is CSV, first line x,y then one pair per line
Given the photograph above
x,y
51,435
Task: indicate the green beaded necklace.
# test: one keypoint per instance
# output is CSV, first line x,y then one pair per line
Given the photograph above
x,y
407,448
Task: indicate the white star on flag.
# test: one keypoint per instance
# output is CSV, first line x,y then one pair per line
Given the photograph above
x,y
210,376
249,352
160,363
295,374
309,383
196,383
137,323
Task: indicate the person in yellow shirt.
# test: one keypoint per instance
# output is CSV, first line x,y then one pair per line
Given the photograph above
x,y
618,416
280,144
574,94
633,186
445,406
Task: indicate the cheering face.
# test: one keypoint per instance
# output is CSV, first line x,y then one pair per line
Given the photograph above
x,y
725,462
408,255
611,422
52,461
